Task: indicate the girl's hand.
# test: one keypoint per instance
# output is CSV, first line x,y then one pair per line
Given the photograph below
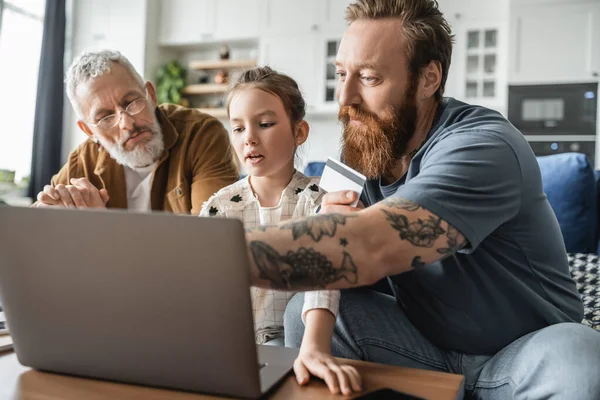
x,y
338,376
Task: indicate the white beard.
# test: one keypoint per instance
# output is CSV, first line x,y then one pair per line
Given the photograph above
x,y
141,155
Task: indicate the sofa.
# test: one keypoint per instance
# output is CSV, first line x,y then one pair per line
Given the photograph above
x,y
573,190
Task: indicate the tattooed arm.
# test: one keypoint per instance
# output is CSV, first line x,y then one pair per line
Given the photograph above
x,y
345,250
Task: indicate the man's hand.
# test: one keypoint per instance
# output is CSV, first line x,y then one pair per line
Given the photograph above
x,y
80,194
338,203
338,377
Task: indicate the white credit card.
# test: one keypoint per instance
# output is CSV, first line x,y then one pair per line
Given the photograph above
x,y
338,176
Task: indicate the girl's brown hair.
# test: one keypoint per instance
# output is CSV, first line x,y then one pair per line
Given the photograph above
x,y
280,85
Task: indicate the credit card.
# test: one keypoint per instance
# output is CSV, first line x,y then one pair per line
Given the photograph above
x,y
338,176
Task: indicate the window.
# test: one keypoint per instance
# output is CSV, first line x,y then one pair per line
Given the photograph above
x,y
21,24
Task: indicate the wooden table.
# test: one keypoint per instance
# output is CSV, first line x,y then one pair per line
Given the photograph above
x,y
19,382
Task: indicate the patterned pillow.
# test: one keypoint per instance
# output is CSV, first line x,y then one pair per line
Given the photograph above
x,y
585,270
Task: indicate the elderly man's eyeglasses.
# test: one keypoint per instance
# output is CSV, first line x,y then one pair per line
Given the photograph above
x,y
110,121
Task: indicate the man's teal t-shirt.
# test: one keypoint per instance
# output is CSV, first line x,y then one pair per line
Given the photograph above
x,y
478,173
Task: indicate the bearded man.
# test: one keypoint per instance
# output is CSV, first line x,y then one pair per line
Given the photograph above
x,y
455,219
139,155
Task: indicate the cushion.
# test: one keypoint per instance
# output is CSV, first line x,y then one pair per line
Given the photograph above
x,y
314,168
597,175
570,184
585,270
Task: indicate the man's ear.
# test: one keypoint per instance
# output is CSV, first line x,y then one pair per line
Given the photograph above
x,y
86,129
301,133
151,94
431,79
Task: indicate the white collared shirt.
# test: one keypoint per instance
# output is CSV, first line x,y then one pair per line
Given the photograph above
x,y
300,198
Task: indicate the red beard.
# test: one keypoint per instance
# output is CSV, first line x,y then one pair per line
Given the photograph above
x,y
374,146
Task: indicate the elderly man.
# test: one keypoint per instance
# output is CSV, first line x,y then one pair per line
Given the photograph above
x,y
456,219
139,156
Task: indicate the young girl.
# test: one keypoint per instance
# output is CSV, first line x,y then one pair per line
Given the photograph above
x,y
266,110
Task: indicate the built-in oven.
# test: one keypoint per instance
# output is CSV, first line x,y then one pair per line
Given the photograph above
x,y
556,118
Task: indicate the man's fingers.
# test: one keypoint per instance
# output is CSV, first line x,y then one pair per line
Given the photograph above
x,y
44,198
104,195
344,197
65,196
51,192
83,182
302,374
46,205
77,196
96,198
337,209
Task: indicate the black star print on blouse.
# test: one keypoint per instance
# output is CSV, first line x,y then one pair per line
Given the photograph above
x,y
314,187
237,198
298,191
213,211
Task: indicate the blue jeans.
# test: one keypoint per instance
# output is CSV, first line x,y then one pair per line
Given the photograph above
x,y
558,362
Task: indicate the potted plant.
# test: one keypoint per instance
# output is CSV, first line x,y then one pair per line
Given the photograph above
x,y
170,81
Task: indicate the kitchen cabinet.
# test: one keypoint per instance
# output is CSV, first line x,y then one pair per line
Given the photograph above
x,y
294,56
114,25
334,22
555,43
478,71
291,17
199,21
186,21
236,19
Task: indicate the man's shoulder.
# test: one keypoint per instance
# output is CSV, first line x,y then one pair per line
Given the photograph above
x,y
86,153
193,125
458,116
184,115
467,122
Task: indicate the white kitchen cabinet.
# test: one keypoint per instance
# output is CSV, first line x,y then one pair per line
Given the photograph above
x,y
294,56
112,24
478,71
186,21
236,19
292,17
555,43
334,22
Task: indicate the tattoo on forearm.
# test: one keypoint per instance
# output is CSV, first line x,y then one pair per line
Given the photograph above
x,y
399,202
304,268
417,263
453,244
318,226
421,233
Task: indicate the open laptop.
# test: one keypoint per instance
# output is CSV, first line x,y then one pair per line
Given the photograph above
x,y
150,299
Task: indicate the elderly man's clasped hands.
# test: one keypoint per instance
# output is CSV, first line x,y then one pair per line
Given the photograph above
x,y
79,194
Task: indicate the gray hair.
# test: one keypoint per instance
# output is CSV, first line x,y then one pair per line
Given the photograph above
x,y
92,65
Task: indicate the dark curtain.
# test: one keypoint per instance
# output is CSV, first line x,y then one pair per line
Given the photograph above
x,y
48,126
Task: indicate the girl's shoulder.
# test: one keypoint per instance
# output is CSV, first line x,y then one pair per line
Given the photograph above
x,y
231,197
308,193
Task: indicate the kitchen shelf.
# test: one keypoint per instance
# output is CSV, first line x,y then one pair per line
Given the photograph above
x,y
215,112
221,64
204,88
